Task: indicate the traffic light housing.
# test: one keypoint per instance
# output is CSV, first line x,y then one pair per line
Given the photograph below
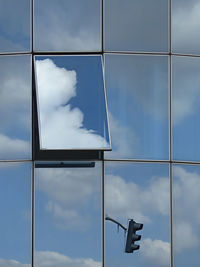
x,y
132,236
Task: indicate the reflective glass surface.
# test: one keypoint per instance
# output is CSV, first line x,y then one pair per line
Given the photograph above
x,y
15,107
67,25
14,25
15,208
68,217
185,26
136,25
186,108
137,94
186,215
71,103
139,192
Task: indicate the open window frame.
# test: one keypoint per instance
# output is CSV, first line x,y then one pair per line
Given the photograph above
x,y
82,154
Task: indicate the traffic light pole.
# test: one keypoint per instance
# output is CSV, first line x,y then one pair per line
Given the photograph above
x,y
119,224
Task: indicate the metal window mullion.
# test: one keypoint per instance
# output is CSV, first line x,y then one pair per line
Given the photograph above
x,y
32,212
103,214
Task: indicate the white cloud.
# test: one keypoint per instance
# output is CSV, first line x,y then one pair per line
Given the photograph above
x,y
13,147
54,259
125,143
61,126
12,263
72,195
184,237
66,30
156,252
144,201
186,23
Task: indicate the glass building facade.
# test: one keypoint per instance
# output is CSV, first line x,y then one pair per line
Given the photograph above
x,y
99,112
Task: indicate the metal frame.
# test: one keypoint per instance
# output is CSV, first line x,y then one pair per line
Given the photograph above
x,y
88,155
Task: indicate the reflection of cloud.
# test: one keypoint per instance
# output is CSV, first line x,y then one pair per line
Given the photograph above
x,y
54,259
67,33
124,142
186,87
125,77
143,200
61,126
186,23
15,25
13,147
70,197
15,106
12,263
156,252
184,236
155,199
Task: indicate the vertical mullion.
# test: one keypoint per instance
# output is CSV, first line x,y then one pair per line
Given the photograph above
x,y
171,136
32,213
103,213
102,26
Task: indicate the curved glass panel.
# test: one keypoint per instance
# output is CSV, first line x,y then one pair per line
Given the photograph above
x,y
68,216
137,94
15,107
186,215
67,25
139,192
186,108
136,25
71,103
185,26
15,26
15,208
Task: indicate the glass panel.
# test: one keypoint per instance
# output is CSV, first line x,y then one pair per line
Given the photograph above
x,y
71,103
139,192
14,26
137,93
15,208
15,107
68,217
67,25
135,25
186,215
186,108
185,26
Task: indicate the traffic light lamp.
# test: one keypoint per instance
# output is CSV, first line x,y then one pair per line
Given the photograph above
x,y
132,236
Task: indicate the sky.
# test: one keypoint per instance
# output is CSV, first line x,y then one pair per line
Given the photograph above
x,y
67,25
68,216
186,108
143,25
15,107
15,207
141,192
137,95
15,26
71,101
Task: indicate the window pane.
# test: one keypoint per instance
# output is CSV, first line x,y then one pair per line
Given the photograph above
x,y
135,25
15,107
67,25
71,103
185,26
68,217
15,208
137,93
139,192
186,108
15,26
186,219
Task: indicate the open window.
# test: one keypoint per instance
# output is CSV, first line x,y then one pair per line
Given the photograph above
x,y
70,107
